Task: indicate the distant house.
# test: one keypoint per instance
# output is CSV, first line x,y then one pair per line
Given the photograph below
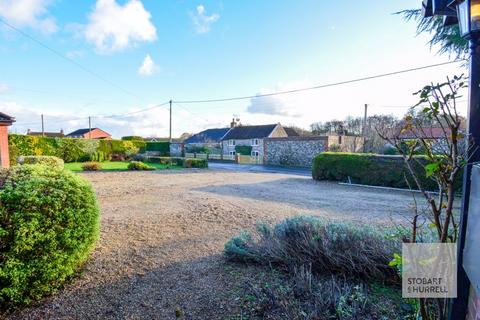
x,y
252,136
162,139
429,133
436,135
5,122
211,138
291,132
94,133
345,142
46,134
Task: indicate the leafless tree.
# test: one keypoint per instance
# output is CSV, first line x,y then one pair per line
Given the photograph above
x,y
443,159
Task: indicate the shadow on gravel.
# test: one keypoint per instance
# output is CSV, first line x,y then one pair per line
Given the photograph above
x,y
198,289
359,203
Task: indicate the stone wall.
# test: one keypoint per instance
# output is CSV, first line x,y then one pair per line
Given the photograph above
x,y
293,151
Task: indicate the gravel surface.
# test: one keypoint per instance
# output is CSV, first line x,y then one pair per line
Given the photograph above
x,y
162,236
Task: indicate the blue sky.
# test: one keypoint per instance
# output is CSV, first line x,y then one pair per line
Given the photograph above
x,y
182,50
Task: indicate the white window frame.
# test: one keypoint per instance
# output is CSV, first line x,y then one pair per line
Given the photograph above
x,y
232,153
255,142
231,142
255,153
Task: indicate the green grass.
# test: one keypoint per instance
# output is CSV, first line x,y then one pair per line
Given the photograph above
x,y
115,166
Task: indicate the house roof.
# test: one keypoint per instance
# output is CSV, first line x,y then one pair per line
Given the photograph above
x,y
208,136
291,132
250,132
4,118
424,133
80,132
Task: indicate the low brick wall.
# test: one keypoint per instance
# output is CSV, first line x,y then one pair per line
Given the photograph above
x,y
293,151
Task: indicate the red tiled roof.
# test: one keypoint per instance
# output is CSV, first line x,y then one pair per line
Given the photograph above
x,y
424,133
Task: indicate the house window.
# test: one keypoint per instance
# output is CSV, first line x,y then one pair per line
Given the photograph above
x,y
232,153
254,142
255,154
231,142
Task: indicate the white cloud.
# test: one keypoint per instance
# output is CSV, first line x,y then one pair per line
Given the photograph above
x,y
3,88
113,27
148,67
267,105
202,21
28,13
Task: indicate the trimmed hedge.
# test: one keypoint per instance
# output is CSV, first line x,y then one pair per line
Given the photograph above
x,y
49,161
162,147
49,223
243,150
179,162
72,150
370,169
134,138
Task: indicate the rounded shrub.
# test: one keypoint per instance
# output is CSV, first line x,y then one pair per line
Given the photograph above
x,y
49,161
91,166
49,223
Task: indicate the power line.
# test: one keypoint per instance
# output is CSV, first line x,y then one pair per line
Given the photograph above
x,y
116,116
59,54
322,85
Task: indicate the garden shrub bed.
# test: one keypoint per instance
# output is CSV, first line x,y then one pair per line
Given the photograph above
x,y
72,150
180,162
329,247
370,169
312,268
49,225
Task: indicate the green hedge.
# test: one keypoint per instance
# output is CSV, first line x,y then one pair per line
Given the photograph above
x,y
370,169
71,150
50,161
134,138
179,162
162,147
243,150
49,223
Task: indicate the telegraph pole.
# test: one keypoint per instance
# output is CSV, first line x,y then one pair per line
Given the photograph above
x,y
364,127
89,127
170,135
43,128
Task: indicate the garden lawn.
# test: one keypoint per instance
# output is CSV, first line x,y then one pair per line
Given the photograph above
x,y
115,166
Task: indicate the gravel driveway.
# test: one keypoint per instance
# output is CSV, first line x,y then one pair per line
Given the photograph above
x,y
162,236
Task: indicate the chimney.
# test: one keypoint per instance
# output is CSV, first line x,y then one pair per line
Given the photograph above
x,y
28,131
61,131
233,123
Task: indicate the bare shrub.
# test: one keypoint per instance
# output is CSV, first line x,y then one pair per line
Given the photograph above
x,y
278,296
326,247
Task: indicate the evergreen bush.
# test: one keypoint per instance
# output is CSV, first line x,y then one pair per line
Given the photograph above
x,y
49,223
50,161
